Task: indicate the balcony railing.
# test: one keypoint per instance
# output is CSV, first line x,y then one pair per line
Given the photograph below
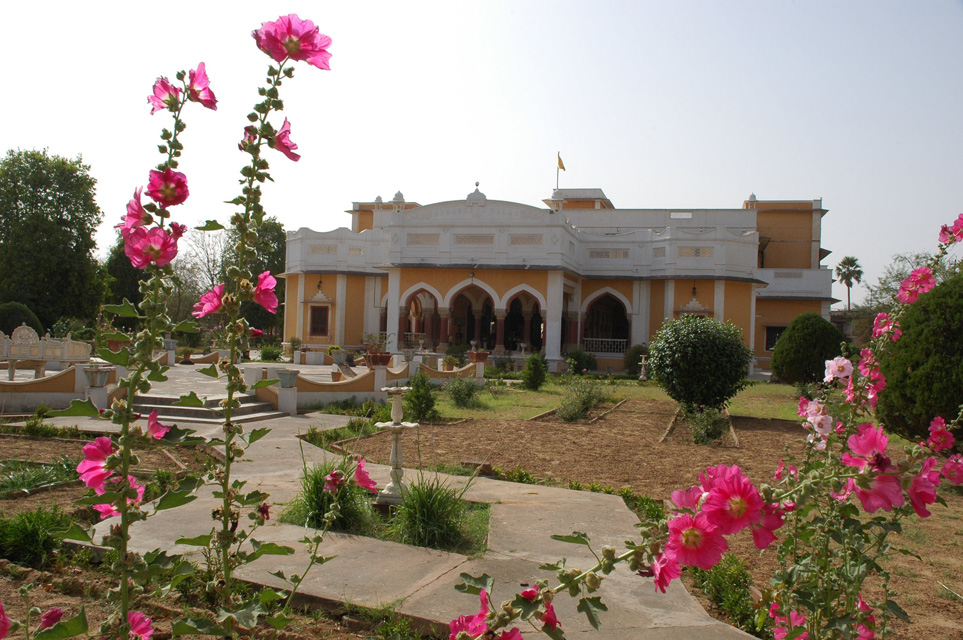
x,y
601,346
414,338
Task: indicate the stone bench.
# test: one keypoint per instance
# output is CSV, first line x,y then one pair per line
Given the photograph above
x,y
25,350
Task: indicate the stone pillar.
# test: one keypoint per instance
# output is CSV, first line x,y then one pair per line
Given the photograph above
x,y
527,330
552,316
445,320
429,328
383,325
571,331
500,315
404,325
477,334
380,379
288,400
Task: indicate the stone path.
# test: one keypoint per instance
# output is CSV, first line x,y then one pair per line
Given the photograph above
x,y
419,583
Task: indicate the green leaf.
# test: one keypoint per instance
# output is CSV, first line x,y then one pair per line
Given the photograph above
x,y
210,225
173,499
108,497
77,408
897,610
75,532
526,606
181,436
157,376
255,497
279,621
123,310
121,357
75,626
474,585
246,617
576,537
257,434
209,371
268,549
196,541
260,384
279,575
591,607
268,596
554,634
187,326
115,335
190,400
199,626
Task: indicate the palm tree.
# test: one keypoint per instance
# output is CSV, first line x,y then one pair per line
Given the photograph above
x,y
848,271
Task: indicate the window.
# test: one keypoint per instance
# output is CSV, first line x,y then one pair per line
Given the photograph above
x,y
772,335
319,321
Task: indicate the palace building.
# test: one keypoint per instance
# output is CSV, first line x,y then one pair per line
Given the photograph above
x,y
576,273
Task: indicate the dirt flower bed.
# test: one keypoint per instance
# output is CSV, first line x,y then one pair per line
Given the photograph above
x,y
623,450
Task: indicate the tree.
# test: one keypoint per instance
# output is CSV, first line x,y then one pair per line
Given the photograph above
x,y
14,314
271,249
848,271
802,350
48,217
924,370
699,362
882,295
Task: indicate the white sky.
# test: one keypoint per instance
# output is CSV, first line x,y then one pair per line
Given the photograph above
x,y
660,104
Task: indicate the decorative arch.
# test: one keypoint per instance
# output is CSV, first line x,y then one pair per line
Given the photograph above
x,y
521,288
467,282
601,292
415,288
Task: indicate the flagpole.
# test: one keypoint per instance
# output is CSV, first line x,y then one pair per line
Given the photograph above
x,y
557,156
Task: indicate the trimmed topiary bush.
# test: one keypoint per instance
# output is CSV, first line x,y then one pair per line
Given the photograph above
x,y
533,376
14,314
804,347
699,362
924,368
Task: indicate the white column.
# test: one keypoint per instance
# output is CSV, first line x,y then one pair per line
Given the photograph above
x,y
340,307
372,301
299,309
394,294
719,301
667,311
553,315
640,313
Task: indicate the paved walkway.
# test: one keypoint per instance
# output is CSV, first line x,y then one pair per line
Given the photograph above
x,y
419,582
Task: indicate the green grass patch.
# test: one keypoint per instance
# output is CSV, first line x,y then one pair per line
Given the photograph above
x,y
763,400
27,538
21,477
356,428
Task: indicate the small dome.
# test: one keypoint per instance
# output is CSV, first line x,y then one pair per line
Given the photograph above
x,y
752,197
379,200
398,197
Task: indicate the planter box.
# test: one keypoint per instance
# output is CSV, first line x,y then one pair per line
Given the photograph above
x,y
377,359
477,356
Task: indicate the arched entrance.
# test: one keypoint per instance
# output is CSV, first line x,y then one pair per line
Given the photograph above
x,y
606,327
419,322
472,318
523,324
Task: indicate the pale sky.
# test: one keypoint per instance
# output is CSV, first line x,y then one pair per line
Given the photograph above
x,y
660,104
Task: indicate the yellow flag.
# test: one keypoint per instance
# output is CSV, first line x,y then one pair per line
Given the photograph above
x,y
561,165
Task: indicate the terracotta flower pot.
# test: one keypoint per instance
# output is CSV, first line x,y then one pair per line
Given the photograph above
x,y
377,359
478,356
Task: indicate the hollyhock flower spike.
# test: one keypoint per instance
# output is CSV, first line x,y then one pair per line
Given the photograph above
x,y
264,292
362,479
136,216
282,142
919,281
167,188
92,468
291,37
51,617
166,96
884,325
199,88
140,626
210,302
940,438
155,429
144,246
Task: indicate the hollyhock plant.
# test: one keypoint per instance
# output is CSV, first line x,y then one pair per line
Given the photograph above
x,y
210,302
136,216
199,88
694,541
940,438
155,429
93,468
919,281
166,96
146,246
733,504
883,325
290,37
264,292
953,469
282,142
839,367
167,188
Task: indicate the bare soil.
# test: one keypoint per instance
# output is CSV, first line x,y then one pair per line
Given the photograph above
x,y
623,450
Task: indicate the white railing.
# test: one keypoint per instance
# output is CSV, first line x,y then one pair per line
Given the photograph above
x,y
599,346
413,338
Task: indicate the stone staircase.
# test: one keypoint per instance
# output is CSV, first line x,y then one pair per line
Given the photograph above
x,y
251,410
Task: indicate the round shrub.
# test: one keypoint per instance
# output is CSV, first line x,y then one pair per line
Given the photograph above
x,y
699,362
14,314
533,375
463,392
633,359
270,353
804,347
924,368
419,403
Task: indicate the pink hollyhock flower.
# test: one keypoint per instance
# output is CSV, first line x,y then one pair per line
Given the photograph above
x,y
844,492
155,429
92,468
145,246
291,37
264,510
178,230
665,569
693,540
803,408
795,620
770,520
884,492
136,216
530,594
282,142
838,367
140,626
953,469
549,619
711,475
689,498
733,504
949,235
922,488
249,137
919,281
869,444
362,479
333,481
865,629
167,188
264,292
210,302
884,325
511,634
166,96
474,625
940,438
5,622
199,88
256,333
50,617
106,511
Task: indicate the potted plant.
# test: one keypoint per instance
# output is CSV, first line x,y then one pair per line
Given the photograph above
x,y
375,346
478,356
336,353
449,362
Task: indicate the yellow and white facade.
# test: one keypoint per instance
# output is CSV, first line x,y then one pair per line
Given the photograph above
x,y
576,273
